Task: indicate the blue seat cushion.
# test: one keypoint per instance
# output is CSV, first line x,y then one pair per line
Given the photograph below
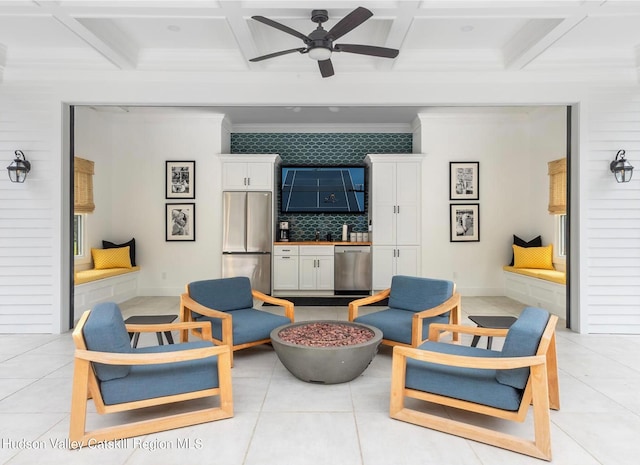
x,y
523,339
417,294
470,384
165,379
395,323
249,325
224,294
105,331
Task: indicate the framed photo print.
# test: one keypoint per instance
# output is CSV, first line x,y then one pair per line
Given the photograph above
x,y
464,181
180,180
465,222
180,222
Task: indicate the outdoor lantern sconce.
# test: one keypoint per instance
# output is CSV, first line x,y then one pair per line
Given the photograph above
x,y
19,168
621,168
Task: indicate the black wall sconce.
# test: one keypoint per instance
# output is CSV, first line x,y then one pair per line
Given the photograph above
x,y
621,168
19,168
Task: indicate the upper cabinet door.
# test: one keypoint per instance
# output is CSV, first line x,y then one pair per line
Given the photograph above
x,y
234,175
260,176
249,172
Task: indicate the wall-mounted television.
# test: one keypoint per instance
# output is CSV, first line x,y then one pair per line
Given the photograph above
x,y
322,189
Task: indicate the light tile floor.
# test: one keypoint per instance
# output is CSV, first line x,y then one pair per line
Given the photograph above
x,y
280,420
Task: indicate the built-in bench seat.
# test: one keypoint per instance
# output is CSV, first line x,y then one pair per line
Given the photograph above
x,y
537,287
87,276
93,286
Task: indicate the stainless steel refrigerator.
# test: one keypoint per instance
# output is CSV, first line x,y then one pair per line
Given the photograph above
x,y
247,237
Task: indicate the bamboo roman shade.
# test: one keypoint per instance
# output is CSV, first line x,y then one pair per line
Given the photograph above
x,y
558,187
83,186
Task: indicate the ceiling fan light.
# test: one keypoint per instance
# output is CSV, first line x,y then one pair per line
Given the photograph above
x,y
320,53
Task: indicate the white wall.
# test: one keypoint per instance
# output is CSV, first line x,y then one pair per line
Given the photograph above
x,y
513,189
92,141
30,213
610,236
134,190
547,142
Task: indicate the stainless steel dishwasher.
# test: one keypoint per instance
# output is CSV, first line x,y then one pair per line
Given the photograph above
x,y
352,269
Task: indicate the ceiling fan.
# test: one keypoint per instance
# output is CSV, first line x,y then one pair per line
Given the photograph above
x,y
319,44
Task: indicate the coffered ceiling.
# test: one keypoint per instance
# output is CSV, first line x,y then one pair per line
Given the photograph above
x,y
585,40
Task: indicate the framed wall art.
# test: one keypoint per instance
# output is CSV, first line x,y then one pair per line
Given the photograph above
x,y
180,180
464,180
465,222
180,222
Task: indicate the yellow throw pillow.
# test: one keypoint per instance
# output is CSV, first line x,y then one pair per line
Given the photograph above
x,y
104,259
533,257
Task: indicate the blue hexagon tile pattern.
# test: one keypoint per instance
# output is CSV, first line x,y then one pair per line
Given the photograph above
x,y
309,149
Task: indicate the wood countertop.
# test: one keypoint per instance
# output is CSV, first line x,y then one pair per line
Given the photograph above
x,y
321,243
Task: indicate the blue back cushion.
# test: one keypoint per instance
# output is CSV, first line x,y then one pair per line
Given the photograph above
x,y
417,294
224,294
105,331
523,339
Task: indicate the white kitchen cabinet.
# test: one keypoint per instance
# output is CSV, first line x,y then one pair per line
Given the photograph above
x,y
248,172
395,214
316,267
391,260
285,268
395,201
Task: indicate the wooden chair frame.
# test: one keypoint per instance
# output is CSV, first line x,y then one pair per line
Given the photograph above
x,y
452,304
188,305
86,386
541,390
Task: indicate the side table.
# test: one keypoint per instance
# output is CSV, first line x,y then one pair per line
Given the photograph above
x,y
150,320
489,321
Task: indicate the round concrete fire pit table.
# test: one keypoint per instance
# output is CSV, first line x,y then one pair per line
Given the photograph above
x,y
326,352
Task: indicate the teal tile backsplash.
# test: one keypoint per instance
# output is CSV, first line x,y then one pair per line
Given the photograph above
x,y
321,149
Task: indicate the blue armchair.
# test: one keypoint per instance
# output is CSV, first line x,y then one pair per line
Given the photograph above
x,y
227,304
118,377
414,304
500,384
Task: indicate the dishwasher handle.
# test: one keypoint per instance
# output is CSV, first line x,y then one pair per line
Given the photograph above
x,y
352,249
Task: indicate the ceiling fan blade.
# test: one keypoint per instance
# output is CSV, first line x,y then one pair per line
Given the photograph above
x,y
282,27
367,50
277,54
349,22
326,68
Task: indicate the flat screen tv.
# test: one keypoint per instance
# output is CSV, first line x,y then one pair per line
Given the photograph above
x,y
322,189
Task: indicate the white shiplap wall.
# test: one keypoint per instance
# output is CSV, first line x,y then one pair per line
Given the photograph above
x,y
29,223
612,214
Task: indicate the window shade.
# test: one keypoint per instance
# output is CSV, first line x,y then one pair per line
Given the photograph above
x,y
83,186
558,186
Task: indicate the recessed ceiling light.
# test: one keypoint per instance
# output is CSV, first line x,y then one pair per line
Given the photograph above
x,y
467,28
173,28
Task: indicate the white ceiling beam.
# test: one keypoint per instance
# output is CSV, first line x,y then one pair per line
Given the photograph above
x,y
105,38
403,19
536,37
240,29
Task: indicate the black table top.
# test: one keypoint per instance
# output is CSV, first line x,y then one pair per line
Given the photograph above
x,y
150,319
493,321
